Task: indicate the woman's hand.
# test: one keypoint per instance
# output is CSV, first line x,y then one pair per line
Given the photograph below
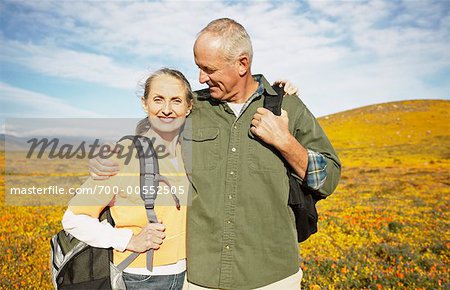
x,y
289,88
150,237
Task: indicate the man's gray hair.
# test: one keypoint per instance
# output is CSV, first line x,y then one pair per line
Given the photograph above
x,y
235,40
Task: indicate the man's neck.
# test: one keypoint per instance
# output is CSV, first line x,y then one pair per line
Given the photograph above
x,y
248,88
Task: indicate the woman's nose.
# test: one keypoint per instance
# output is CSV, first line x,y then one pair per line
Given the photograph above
x,y
167,109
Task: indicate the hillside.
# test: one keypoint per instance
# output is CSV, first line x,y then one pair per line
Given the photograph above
x,y
386,225
412,132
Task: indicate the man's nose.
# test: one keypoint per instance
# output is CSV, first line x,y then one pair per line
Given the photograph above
x,y
203,78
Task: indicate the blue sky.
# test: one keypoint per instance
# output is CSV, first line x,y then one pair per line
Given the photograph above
x,y
85,58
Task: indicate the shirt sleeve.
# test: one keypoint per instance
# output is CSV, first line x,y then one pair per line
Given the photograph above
x,y
324,167
317,173
95,233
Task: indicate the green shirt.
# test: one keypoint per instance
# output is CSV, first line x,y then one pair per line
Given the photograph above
x,y
240,230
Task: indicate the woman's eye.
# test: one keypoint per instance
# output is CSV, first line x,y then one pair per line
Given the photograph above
x,y
177,101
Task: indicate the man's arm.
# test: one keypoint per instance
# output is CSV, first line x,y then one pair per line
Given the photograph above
x,y
308,150
274,130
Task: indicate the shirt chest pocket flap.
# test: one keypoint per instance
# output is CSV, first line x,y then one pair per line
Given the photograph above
x,y
204,147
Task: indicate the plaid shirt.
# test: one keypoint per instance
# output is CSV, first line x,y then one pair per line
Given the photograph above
x,y
317,173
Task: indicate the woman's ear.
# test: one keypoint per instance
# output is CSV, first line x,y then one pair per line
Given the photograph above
x,y
189,107
144,104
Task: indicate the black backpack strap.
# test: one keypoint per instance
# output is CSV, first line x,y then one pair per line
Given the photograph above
x,y
302,200
273,103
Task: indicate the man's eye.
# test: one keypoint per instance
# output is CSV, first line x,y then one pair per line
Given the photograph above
x,y
208,70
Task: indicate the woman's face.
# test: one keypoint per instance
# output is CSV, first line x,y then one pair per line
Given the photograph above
x,y
166,105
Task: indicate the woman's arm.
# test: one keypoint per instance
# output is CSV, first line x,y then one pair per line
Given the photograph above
x,y
101,234
95,233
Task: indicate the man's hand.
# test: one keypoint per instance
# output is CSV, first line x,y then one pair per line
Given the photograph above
x,y
274,130
289,88
150,237
101,168
271,129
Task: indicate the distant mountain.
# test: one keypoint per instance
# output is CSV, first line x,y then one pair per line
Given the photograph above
x,y
391,133
13,143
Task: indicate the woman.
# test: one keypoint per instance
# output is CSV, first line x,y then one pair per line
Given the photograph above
x,y
167,101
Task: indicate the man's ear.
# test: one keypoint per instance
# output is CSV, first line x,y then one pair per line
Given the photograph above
x,y
244,64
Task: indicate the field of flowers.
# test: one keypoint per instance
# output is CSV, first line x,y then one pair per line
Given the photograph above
x,y
386,227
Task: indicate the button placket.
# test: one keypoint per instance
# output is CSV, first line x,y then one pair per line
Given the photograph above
x,y
232,163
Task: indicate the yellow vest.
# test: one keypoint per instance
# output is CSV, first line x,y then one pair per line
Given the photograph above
x,y
121,192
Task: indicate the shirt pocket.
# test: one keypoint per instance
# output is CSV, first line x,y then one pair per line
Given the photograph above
x,y
204,147
263,157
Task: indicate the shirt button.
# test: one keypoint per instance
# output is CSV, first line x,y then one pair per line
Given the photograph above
x,y
230,197
235,127
227,247
231,172
228,222
233,149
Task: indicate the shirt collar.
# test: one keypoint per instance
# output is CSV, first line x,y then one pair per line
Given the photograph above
x,y
263,87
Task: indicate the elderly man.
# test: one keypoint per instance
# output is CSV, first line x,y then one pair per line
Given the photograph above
x,y
241,232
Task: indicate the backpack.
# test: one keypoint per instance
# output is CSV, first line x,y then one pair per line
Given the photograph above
x,y
76,265
302,200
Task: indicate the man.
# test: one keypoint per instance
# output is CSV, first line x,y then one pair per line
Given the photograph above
x,y
241,232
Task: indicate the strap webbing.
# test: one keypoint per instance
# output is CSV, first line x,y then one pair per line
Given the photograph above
x,y
273,103
149,173
149,182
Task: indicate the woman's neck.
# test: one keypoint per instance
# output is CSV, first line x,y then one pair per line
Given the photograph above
x,y
168,139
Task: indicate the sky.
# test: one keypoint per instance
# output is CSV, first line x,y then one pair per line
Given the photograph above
x,y
86,59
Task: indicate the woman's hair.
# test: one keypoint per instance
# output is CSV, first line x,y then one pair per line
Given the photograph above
x,y
168,72
144,125
235,40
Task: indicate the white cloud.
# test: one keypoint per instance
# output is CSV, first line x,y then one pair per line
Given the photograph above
x,y
69,64
33,105
340,54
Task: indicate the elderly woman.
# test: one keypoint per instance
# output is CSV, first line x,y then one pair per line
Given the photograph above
x,y
167,101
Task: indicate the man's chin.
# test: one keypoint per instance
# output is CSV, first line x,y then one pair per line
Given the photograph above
x,y
215,94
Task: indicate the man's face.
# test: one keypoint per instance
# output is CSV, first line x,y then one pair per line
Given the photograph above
x,y
219,74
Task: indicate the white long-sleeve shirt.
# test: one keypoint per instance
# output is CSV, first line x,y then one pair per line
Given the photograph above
x,y
103,235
